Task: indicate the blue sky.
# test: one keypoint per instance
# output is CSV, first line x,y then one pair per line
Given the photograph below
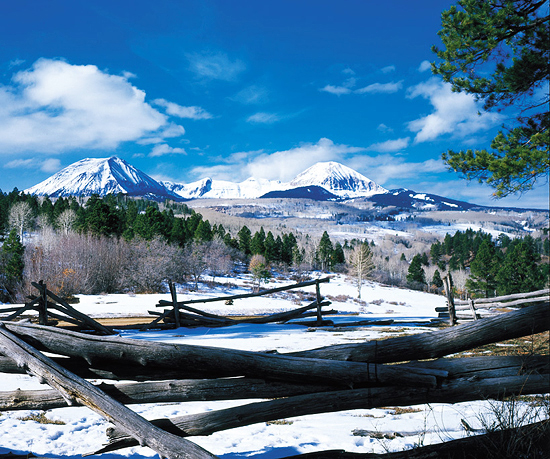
x,y
232,89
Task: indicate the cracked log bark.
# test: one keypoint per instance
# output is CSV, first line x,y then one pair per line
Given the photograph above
x,y
218,362
73,387
244,388
526,321
460,390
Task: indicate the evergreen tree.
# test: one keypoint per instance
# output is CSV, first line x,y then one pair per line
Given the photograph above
x,y
483,270
324,252
499,52
519,272
257,244
436,279
416,277
11,263
244,236
270,249
338,256
203,233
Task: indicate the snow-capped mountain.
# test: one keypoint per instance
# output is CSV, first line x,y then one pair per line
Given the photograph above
x,y
101,176
114,175
338,179
207,188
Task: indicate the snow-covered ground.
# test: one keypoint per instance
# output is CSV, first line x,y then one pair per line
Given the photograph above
x,y
82,431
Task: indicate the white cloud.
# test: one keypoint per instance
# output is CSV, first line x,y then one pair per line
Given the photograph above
x,y
263,118
390,145
252,95
424,65
388,69
285,165
55,106
377,88
215,66
192,112
165,149
17,163
49,165
454,113
383,128
338,90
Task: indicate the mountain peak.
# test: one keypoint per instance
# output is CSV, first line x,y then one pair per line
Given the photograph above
x,y
100,176
338,179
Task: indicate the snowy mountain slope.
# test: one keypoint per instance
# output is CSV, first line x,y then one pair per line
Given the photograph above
x,y
409,199
338,179
207,188
101,176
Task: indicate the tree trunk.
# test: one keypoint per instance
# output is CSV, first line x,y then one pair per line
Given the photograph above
x,y
526,321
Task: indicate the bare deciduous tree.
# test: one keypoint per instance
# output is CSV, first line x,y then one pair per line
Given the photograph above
x,y
20,217
66,220
361,265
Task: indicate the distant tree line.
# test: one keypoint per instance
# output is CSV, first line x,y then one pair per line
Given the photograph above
x,y
496,266
115,243
121,244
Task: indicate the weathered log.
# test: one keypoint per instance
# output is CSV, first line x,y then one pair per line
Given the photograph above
x,y
515,296
244,388
438,343
72,387
165,391
460,390
216,362
531,441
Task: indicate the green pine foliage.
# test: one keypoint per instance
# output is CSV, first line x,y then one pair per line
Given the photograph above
x,y
499,52
416,277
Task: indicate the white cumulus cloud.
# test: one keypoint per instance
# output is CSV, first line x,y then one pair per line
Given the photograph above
x,y
380,88
55,106
215,66
263,118
390,145
193,112
454,113
165,149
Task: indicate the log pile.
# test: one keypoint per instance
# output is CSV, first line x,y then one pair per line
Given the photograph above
x,y
335,378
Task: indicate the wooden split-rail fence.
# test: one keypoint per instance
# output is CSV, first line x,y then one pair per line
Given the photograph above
x,y
398,371
181,313
476,308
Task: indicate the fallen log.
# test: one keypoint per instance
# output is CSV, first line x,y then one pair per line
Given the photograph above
x,y
245,388
460,390
530,441
217,362
438,343
175,391
72,387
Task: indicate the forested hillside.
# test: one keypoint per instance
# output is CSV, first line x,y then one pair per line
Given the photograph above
x,y
120,244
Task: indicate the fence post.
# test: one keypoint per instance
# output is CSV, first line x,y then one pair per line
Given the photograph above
x,y
175,302
43,305
319,299
450,300
472,308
